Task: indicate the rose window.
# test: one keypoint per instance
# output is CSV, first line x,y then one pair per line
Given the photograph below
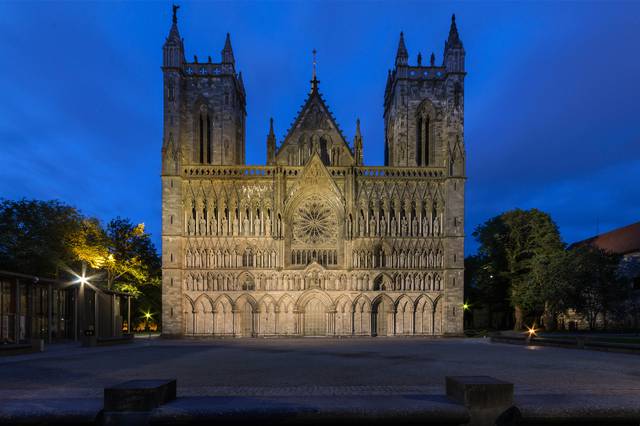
x,y
315,223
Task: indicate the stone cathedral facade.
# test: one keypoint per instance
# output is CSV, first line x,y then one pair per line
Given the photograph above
x,y
314,243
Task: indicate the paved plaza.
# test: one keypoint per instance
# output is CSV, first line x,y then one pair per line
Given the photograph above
x,y
308,366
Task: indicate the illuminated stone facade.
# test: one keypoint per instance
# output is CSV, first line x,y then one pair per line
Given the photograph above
x,y
313,243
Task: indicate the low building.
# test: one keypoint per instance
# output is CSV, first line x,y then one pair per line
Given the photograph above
x,y
624,241
38,308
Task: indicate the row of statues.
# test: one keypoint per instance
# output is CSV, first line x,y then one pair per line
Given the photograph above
x,y
202,224
398,259
301,282
414,227
210,258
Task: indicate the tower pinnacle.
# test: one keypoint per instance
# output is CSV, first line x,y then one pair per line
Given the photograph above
x,y
402,56
227,52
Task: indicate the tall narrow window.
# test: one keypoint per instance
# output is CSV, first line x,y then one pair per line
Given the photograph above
x,y
427,141
201,136
209,139
419,141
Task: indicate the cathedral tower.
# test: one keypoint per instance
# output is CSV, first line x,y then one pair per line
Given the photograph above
x,y
423,108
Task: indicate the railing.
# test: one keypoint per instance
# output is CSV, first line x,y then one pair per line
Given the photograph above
x,y
293,171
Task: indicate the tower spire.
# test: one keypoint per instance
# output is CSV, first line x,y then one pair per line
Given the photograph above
x,y
454,37
402,56
173,48
227,52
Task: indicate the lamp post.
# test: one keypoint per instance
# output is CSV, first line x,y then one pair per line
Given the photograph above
x,y
81,306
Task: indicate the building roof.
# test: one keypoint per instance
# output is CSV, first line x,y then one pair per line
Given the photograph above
x,y
623,240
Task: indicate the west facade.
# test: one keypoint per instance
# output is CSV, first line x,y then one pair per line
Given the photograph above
x,y
314,243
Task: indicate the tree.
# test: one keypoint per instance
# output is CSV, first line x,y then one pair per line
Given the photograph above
x,y
599,287
510,246
37,237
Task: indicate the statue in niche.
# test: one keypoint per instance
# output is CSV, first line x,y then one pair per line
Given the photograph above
x,y
189,258
245,226
212,226
267,226
414,227
203,226
372,226
436,226
394,225
425,227
224,226
197,258
235,227
383,227
256,226
191,226
404,226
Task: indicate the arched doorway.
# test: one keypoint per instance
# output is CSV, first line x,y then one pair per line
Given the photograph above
x,y
246,320
315,318
380,314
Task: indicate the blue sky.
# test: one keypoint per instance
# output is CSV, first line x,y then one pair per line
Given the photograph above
x,y
551,96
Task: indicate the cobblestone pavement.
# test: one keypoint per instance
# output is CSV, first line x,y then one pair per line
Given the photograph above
x,y
270,367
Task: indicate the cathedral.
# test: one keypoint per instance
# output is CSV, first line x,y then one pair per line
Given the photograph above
x,y
315,242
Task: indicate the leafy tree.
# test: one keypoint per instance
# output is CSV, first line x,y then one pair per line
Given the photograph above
x,y
36,237
599,287
510,246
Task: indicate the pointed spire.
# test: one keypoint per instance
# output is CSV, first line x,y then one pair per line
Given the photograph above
x,y
271,144
357,144
433,59
419,59
454,37
402,56
227,52
173,48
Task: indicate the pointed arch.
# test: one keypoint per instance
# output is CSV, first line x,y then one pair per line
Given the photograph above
x,y
286,316
344,315
404,318
423,315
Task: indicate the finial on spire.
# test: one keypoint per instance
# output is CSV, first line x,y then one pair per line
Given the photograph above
x,y
271,126
314,79
175,13
419,59
358,126
433,59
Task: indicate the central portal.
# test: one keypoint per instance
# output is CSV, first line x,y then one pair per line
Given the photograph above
x,y
315,322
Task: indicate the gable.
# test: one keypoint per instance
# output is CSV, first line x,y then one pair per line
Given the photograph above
x,y
314,131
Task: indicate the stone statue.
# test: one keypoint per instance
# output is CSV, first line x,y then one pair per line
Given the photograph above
x,y
372,226
245,226
383,227
414,227
436,226
267,226
224,225
256,226
191,226
425,227
403,226
203,226
394,226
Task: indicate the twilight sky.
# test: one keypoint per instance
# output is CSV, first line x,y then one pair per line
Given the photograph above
x,y
551,97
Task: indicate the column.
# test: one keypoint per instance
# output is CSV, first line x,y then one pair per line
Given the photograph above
x,y
49,312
